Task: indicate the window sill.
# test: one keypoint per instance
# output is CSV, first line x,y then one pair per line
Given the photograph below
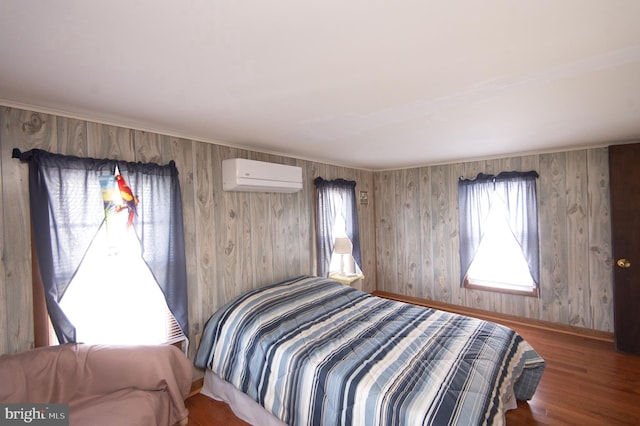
x,y
500,288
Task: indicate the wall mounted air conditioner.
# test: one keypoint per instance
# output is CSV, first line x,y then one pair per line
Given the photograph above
x,y
239,174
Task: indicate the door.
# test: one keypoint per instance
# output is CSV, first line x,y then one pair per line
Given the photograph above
x,y
624,171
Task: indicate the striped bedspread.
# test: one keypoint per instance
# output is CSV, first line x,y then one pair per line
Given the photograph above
x,y
316,352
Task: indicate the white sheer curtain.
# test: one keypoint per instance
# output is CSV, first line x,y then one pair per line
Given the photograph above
x,y
518,192
333,198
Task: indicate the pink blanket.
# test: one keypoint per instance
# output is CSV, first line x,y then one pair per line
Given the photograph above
x,y
101,384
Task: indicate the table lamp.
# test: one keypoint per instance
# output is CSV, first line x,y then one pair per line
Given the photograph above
x,y
342,246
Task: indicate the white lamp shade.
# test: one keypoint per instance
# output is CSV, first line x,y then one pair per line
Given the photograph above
x,y
342,246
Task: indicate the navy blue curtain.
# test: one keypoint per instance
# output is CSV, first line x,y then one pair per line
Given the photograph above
x,y
518,192
67,210
334,197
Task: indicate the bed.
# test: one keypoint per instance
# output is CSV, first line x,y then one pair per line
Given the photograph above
x,y
312,351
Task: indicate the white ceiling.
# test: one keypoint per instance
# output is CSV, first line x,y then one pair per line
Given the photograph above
x,y
365,83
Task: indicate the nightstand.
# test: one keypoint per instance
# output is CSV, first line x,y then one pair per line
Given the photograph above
x,y
354,280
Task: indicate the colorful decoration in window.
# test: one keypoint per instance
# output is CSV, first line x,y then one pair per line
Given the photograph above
x,y
130,201
118,196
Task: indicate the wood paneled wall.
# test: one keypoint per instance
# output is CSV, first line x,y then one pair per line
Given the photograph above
x,y
418,245
409,230
234,241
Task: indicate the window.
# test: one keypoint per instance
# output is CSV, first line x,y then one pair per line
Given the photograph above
x,y
113,297
337,217
108,278
499,233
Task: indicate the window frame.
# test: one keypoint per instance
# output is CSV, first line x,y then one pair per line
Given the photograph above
x,y
503,288
46,183
43,331
325,220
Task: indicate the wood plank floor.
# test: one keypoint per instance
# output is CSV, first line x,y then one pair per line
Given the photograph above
x,y
586,382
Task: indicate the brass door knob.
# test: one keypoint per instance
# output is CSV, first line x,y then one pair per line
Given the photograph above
x,y
623,263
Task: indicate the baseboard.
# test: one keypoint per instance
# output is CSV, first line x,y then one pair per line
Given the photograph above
x,y
196,387
500,318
